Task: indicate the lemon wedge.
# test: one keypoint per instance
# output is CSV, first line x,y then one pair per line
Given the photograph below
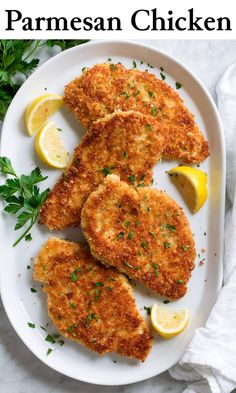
x,y
39,111
192,183
168,323
49,147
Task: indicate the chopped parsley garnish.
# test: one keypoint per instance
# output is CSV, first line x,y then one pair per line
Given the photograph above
x,y
120,235
142,177
163,77
162,69
31,325
109,288
83,69
109,59
97,294
148,310
28,237
130,235
167,245
171,227
113,67
150,93
43,328
73,306
186,247
123,93
136,223
50,339
141,185
134,64
154,111
155,267
59,129
28,267
74,277
152,181
180,281
148,209
124,154
143,244
132,178
71,328
149,127
127,224
152,234
89,318
166,301
33,290
107,170
136,93
178,85
99,284
49,351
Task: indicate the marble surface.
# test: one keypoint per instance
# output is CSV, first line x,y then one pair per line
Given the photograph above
x,y
20,370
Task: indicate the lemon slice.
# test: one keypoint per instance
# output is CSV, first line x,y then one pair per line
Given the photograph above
x,y
40,110
192,184
168,323
49,146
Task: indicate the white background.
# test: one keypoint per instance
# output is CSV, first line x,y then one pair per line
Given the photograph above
x,y
119,8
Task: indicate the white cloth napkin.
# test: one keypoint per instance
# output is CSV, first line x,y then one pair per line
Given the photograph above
x,y
209,362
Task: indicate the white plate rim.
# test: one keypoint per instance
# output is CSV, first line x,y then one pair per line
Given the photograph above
x,y
222,196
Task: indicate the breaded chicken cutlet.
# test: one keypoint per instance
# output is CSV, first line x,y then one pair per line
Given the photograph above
x,y
126,143
90,303
105,88
143,233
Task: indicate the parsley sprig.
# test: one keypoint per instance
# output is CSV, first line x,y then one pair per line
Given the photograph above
x,y
22,196
16,64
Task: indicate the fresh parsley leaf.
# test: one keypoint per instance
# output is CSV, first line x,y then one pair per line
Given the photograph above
x,y
6,166
17,63
65,44
31,325
23,198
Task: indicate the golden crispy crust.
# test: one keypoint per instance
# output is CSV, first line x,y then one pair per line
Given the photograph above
x,y
124,143
105,88
143,233
90,303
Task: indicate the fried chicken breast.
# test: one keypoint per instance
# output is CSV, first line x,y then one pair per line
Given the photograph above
x,y
90,303
105,88
125,143
143,233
